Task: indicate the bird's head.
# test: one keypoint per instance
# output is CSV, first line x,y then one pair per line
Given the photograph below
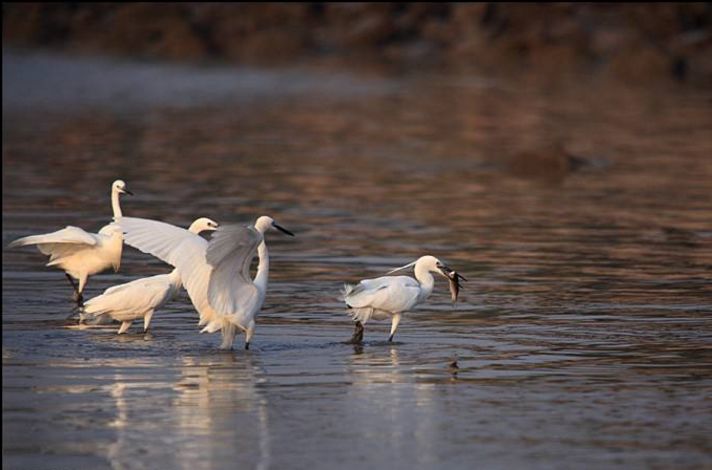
x,y
119,186
265,223
203,224
432,264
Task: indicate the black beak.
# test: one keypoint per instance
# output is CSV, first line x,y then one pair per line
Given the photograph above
x,y
458,277
282,229
445,270
126,191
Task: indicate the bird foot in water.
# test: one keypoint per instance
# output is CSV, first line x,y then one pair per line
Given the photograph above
x,y
77,314
357,337
74,316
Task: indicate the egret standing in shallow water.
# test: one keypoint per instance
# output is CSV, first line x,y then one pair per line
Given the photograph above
x,y
81,254
390,296
140,298
215,274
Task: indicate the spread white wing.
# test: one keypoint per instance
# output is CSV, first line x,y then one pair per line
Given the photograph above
x,y
59,244
230,253
216,275
164,241
67,235
177,247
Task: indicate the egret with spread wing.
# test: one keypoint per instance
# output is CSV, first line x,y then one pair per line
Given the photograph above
x,y
140,298
390,296
215,274
81,254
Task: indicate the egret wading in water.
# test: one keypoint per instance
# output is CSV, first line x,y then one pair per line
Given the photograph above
x,y
81,254
216,274
391,296
140,298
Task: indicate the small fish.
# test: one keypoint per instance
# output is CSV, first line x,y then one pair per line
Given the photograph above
x,y
454,278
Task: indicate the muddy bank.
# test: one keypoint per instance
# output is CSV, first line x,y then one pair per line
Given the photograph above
x,y
631,41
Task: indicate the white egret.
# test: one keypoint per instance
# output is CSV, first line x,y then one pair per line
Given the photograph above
x,y
140,298
215,274
391,296
81,254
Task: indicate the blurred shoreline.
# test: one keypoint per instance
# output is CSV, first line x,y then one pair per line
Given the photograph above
x,y
633,42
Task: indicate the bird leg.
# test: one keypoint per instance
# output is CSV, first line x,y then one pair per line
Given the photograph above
x,y
78,298
77,314
248,334
357,337
147,321
394,326
124,326
71,281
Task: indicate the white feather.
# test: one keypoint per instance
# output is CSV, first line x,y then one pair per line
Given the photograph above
x,y
216,274
79,253
390,296
230,253
135,299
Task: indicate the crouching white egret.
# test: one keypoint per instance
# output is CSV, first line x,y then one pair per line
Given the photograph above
x,y
81,254
140,298
391,296
215,274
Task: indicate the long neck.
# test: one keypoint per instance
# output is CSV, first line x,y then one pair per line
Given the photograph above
x,y
262,268
422,274
115,203
175,278
194,227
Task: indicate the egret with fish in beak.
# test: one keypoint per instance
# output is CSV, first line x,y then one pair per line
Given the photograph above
x,y
391,296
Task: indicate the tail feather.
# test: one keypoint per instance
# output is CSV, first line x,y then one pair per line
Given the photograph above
x,y
226,327
94,313
211,327
229,330
94,307
361,314
349,290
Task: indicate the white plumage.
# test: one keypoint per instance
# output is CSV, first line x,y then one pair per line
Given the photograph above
x,y
391,296
216,274
140,298
81,254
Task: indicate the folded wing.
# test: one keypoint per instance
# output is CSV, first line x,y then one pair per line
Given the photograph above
x,y
388,293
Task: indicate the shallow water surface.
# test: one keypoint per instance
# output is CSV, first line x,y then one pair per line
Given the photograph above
x,y
582,338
